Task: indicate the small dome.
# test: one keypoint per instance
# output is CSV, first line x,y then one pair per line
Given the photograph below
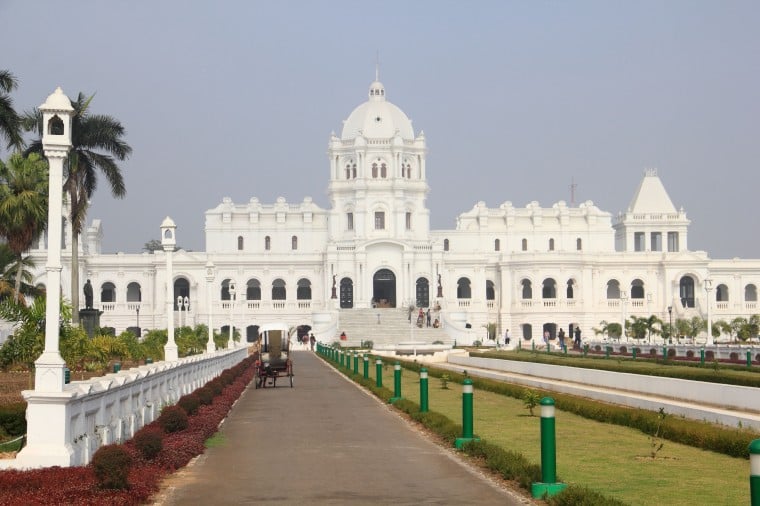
x,y
377,118
57,101
168,223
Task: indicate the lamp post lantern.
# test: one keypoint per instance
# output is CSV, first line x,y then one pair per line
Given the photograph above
x,y
186,303
179,308
56,143
137,310
231,342
708,290
168,242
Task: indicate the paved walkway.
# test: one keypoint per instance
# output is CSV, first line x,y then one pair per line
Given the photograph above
x,y
325,441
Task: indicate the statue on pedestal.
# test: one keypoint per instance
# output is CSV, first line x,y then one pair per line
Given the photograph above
x,y
87,295
334,294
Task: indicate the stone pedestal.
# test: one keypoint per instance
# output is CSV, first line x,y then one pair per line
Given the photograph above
x,y
90,319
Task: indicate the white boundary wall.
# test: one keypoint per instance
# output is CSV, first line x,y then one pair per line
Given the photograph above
x,y
66,428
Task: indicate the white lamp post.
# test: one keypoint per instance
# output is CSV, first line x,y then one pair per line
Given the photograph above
x,y
708,290
169,241
231,342
56,142
186,301
623,301
210,275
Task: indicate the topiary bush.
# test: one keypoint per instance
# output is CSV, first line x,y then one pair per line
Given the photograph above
x,y
13,419
205,395
173,419
111,465
623,350
190,403
149,442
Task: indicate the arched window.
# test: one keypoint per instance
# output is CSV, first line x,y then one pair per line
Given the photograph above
x,y
374,170
267,243
527,289
408,220
348,171
181,289
490,290
55,125
225,294
108,292
613,289
403,170
253,290
134,293
721,293
240,243
353,171
686,291
294,242
463,289
350,221
549,289
570,286
750,293
496,245
637,289
408,171
445,245
379,220
383,171
303,292
278,290
579,244
525,245
551,244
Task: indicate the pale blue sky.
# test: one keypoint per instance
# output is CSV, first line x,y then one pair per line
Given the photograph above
x,y
238,98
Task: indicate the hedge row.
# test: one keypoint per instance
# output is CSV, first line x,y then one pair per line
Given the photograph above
x,y
704,435
13,419
670,369
509,465
79,485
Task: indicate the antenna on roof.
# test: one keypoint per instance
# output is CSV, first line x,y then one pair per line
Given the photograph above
x,y
573,186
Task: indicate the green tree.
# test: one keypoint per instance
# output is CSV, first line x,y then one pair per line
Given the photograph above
x,y
683,327
613,330
97,144
23,205
653,326
10,121
8,270
696,326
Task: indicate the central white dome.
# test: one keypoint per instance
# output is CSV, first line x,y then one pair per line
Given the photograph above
x,y
377,118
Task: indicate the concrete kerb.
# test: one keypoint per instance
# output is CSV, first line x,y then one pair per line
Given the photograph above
x,y
451,453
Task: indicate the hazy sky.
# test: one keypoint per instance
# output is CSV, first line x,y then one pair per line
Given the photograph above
x,y
238,99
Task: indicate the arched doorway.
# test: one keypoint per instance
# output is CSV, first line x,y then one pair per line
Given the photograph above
x,y
686,291
346,293
423,292
384,288
181,289
251,333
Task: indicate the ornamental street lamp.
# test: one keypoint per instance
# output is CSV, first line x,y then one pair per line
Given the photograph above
x,y
137,310
623,300
231,342
186,302
179,308
210,275
168,242
670,315
708,289
56,143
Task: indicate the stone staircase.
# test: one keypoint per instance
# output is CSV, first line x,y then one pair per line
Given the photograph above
x,y
393,328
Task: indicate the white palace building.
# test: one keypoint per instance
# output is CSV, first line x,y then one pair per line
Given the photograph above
x,y
345,268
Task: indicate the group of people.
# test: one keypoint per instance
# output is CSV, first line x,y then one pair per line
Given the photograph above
x,y
576,337
309,340
424,319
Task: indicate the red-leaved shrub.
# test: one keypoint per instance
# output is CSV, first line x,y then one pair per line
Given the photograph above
x,y
111,465
189,403
149,442
173,419
205,395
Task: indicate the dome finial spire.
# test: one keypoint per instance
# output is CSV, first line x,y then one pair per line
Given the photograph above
x,y
377,66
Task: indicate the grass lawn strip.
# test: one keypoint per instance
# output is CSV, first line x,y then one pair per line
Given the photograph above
x,y
607,458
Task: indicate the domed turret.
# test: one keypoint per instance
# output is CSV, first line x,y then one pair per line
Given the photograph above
x,y
377,118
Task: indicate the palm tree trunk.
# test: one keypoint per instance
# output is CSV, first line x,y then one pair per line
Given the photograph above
x,y
74,278
17,287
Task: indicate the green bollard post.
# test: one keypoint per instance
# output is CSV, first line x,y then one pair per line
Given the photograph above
x,y
702,356
548,485
378,373
585,350
366,366
532,345
148,360
548,347
633,353
664,353
423,390
342,356
396,383
607,351
117,367
66,375
564,349
356,363
749,359
467,430
754,472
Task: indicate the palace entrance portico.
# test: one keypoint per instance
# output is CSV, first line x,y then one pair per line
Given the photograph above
x,y
384,288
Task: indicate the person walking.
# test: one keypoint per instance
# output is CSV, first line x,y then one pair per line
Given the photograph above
x,y
428,317
577,338
561,337
312,341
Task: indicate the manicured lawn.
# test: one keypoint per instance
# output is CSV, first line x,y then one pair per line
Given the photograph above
x,y
608,458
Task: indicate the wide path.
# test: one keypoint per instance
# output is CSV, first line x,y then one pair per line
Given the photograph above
x,y
325,441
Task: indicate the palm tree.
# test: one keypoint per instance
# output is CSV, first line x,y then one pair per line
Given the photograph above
x,y
97,142
23,205
10,122
613,330
8,266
